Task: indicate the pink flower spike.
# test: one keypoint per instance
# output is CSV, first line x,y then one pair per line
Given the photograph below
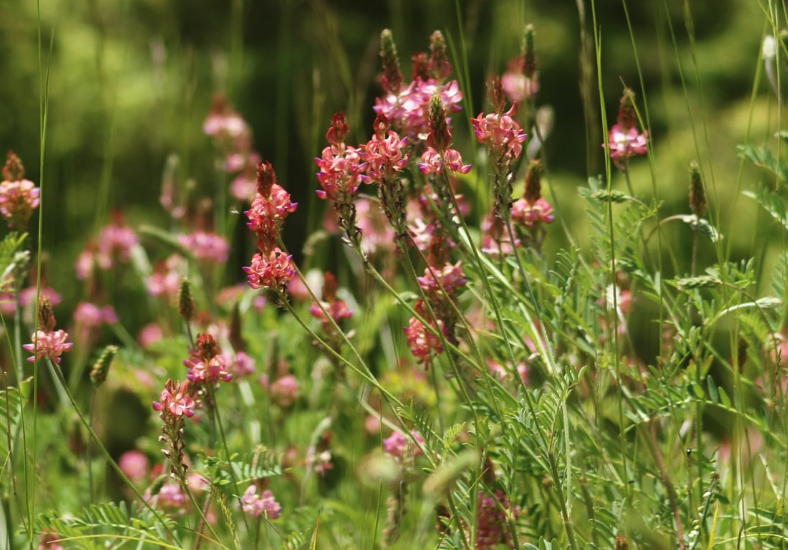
x,y
433,163
259,505
48,344
174,401
625,143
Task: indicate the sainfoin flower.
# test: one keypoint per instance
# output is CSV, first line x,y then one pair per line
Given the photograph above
x,y
450,277
285,390
48,344
515,84
92,315
134,465
270,268
174,402
258,505
529,214
408,109
385,154
501,133
115,244
205,246
624,138
18,196
626,143
340,165
492,526
432,162
273,272
209,372
422,342
398,444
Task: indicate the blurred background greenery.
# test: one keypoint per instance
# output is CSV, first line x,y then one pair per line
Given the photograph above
x,y
132,80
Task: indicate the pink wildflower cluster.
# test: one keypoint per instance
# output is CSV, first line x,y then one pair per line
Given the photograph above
x,y
91,315
441,286
270,267
439,157
260,505
47,342
206,364
171,496
501,133
233,137
206,246
385,154
166,277
134,465
401,446
335,307
422,342
18,196
340,165
516,84
492,527
285,390
116,243
625,139
407,106
529,215
115,246
243,365
174,402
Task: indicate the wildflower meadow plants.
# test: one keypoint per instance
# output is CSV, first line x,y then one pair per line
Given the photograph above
x,y
467,374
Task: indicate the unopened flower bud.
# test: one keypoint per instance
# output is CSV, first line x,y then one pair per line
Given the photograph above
x,y
496,95
99,373
529,52
185,300
697,197
13,170
266,178
533,182
46,317
440,68
207,347
440,136
338,131
330,287
626,111
421,66
392,75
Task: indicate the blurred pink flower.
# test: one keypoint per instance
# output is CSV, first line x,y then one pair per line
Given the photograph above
x,y
285,390
150,335
408,110
166,277
243,365
399,445
208,247
260,505
91,315
135,465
